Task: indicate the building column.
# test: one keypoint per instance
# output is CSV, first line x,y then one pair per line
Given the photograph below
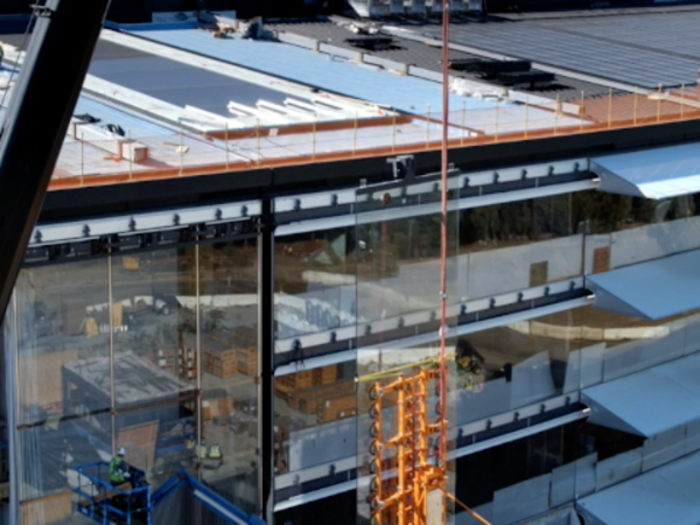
x,y
266,345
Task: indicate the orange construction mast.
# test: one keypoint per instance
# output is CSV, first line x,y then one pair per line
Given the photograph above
x,y
418,496
408,475
403,497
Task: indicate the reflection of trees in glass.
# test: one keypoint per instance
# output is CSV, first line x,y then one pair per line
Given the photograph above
x,y
602,212
605,213
530,220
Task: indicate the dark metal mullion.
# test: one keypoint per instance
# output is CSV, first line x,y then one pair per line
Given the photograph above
x,y
266,345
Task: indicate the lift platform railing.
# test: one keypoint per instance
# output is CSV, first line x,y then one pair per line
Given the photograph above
x,y
105,503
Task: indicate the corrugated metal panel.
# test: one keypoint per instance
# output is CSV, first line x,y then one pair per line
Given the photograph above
x,y
652,290
650,402
668,494
659,173
404,93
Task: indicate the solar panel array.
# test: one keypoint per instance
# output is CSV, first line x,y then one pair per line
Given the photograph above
x,y
642,50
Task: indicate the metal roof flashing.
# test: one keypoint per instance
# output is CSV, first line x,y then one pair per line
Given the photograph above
x,y
658,173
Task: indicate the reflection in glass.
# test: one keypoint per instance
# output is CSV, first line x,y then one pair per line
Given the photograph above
x,y
63,320
522,364
315,417
228,305
315,282
519,245
615,345
153,310
48,455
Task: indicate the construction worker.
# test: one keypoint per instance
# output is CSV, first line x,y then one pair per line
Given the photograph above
x,y
469,364
118,469
215,452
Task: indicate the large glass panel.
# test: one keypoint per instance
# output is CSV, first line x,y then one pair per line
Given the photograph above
x,y
400,469
513,246
228,304
315,282
624,230
63,322
315,414
154,298
315,405
49,455
521,364
155,437
614,346
521,479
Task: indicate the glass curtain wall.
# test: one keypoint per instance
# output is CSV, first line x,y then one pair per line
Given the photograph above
x,y
155,352
398,299
314,405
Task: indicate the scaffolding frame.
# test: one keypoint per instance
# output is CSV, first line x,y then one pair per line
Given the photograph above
x,y
402,499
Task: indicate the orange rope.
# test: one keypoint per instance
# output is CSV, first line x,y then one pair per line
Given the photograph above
x,y
470,511
443,243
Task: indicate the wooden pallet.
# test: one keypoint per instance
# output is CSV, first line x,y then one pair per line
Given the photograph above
x,y
50,509
299,381
310,403
248,360
337,408
325,375
219,359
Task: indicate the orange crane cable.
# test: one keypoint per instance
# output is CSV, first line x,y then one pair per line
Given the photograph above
x,y
470,511
443,243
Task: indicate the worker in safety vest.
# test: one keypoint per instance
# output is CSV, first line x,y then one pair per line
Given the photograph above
x,y
118,469
470,365
202,451
215,452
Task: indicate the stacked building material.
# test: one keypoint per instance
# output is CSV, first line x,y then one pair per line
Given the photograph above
x,y
299,381
325,375
219,358
340,406
248,360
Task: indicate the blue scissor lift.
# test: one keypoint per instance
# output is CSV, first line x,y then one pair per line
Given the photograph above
x,y
106,504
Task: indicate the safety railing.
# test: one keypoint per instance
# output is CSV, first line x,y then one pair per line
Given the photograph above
x,y
89,159
104,502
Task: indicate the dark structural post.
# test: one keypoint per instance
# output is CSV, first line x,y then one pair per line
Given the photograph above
x,y
42,104
266,345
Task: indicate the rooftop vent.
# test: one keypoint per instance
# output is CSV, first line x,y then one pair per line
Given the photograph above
x,y
372,43
492,69
466,64
530,79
